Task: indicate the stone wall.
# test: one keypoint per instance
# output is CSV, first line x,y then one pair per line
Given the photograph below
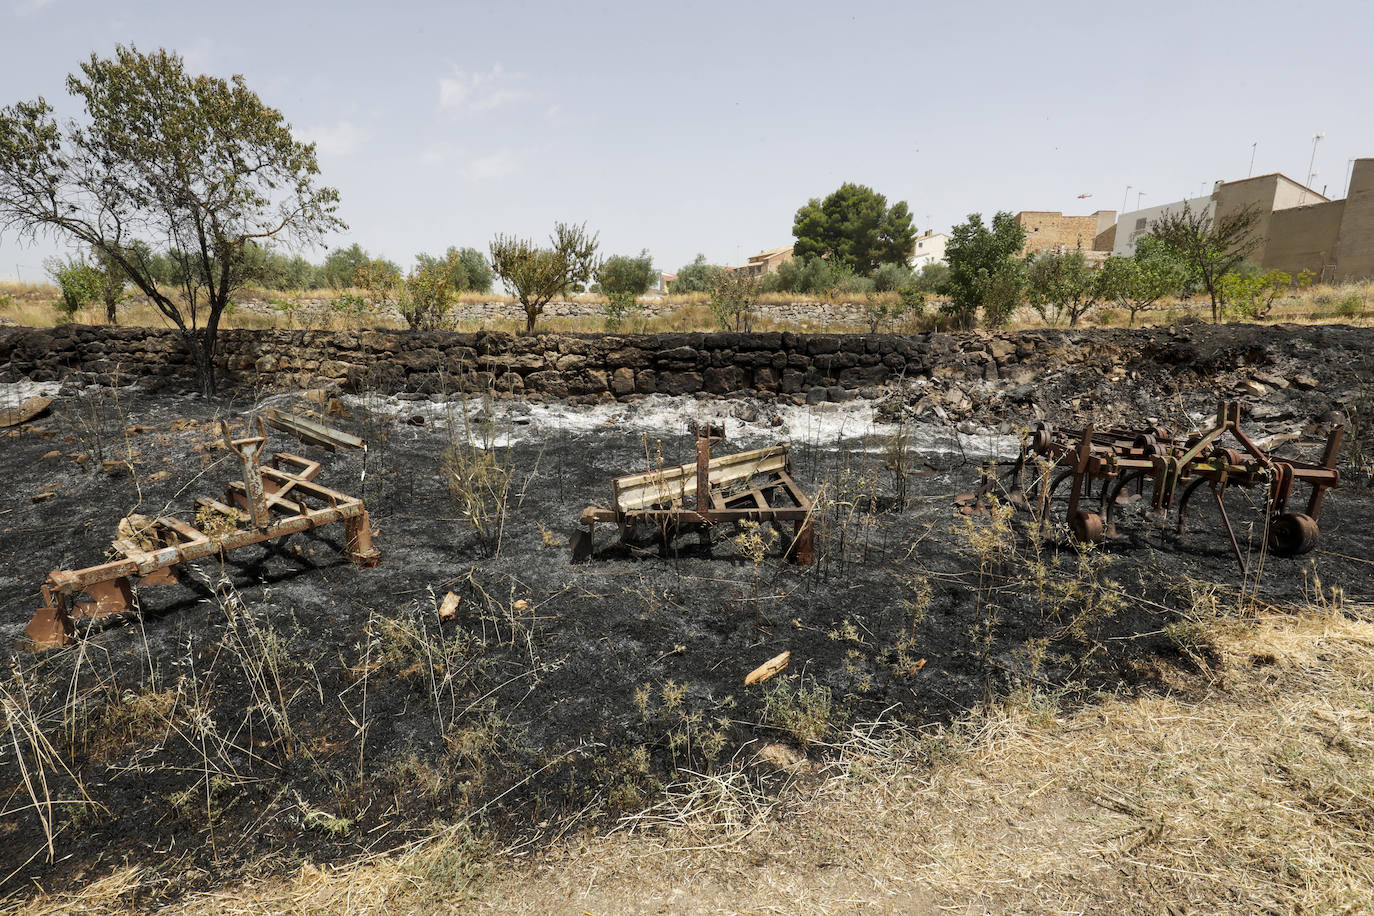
x,y
605,367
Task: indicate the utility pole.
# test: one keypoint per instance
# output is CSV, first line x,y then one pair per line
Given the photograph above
x,y
1123,198
1310,162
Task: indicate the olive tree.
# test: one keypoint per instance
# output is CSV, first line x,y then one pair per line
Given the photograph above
x,y
534,275
623,280
196,166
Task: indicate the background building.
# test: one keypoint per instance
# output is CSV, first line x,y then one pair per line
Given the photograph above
x,y
766,262
1298,228
1050,230
930,249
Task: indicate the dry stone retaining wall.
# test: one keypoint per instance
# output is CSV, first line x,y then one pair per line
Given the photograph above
x,y
604,367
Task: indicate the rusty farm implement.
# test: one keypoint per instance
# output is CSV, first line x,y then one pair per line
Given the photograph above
x,y
1092,472
270,502
752,486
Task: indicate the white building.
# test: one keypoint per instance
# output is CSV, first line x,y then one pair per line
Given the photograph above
x,y
930,249
1131,226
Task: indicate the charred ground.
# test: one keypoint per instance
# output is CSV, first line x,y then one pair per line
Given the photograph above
x,y
284,705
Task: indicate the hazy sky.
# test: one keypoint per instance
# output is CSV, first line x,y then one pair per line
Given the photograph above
x,y
701,127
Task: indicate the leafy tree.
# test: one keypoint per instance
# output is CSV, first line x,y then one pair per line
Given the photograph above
x,y
1138,282
733,298
427,295
624,274
813,276
890,277
932,278
623,280
197,164
1062,285
697,277
112,281
77,281
341,266
475,267
535,275
1211,248
380,280
984,271
1250,294
854,226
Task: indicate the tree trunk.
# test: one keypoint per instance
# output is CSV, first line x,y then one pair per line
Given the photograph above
x,y
201,343
111,314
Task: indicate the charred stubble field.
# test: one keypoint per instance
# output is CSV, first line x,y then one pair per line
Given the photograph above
x,y
284,706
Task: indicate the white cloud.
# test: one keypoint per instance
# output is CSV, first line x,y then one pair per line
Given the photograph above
x,y
339,139
478,91
490,167
29,7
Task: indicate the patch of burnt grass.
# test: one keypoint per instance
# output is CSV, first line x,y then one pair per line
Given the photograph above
x,y
283,707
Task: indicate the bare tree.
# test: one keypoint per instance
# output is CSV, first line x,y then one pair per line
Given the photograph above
x,y
1211,248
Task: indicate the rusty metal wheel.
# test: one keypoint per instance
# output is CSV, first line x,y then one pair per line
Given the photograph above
x,y
1292,534
1086,527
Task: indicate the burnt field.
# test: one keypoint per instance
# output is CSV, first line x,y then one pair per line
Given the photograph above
x,y
284,705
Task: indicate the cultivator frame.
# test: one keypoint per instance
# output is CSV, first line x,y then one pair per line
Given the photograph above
x,y
746,486
1111,460
277,500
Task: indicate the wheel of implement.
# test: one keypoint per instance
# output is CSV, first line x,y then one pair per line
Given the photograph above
x,y
1041,440
1292,534
1086,527
1148,445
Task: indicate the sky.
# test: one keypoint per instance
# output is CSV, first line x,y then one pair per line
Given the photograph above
x,y
701,127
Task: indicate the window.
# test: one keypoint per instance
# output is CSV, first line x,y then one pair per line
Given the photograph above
x,y
1140,225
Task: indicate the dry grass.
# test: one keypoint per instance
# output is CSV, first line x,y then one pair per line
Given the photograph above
x,y
1250,790
31,304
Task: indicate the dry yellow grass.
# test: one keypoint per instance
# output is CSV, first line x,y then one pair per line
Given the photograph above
x,y
31,304
1247,790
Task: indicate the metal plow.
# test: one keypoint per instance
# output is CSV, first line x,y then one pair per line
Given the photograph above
x,y
274,501
1101,468
753,486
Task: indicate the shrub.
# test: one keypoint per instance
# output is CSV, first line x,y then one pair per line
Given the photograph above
x,y
881,313
1250,294
733,298
889,278
1351,305
619,306
78,282
697,277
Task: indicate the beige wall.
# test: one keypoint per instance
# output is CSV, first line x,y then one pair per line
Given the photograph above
x,y
1047,230
1234,196
1355,250
1303,238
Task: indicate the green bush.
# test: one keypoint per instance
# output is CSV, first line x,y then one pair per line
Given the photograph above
x,y
1350,305
78,282
889,278
619,306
